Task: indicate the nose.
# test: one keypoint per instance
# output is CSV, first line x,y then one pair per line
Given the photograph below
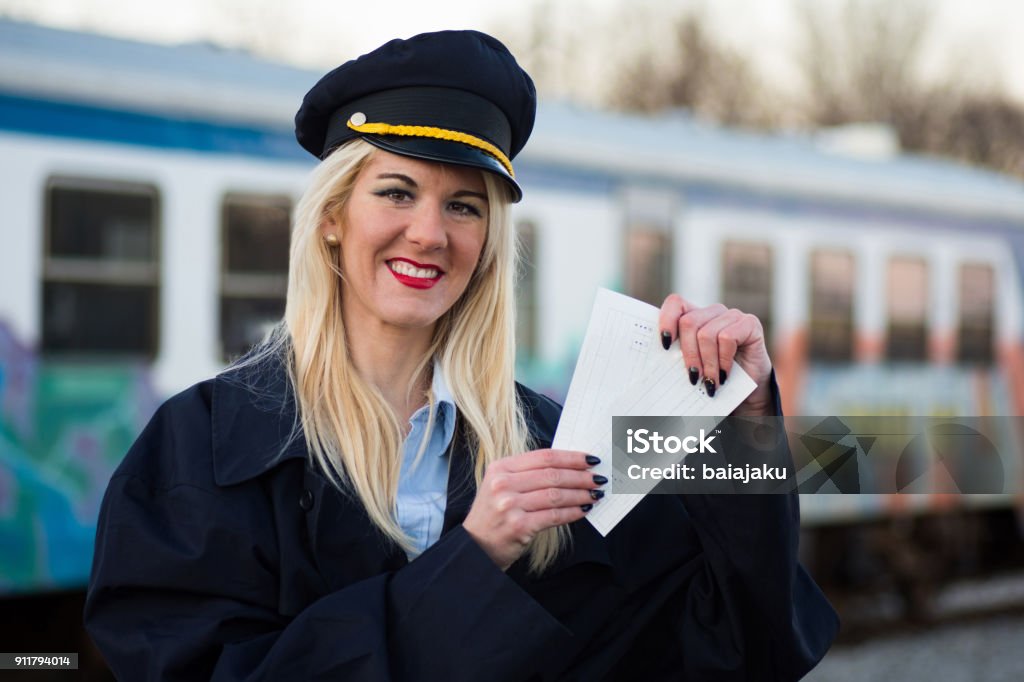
x,y
427,229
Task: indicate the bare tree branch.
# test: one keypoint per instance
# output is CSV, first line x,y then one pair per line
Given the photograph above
x,y
701,75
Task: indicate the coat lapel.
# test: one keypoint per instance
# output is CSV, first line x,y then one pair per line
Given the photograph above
x,y
345,544
461,478
587,544
254,422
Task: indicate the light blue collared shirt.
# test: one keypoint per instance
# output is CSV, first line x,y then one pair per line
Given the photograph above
x,y
423,484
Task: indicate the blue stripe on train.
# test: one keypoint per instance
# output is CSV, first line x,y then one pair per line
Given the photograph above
x,y
80,121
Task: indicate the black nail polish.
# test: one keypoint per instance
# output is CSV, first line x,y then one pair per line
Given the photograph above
x,y
722,376
666,340
694,375
709,386
592,460
596,494
599,479
586,507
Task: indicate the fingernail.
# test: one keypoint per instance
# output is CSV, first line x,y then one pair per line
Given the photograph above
x,y
599,479
596,494
586,507
666,340
592,460
722,376
694,375
709,386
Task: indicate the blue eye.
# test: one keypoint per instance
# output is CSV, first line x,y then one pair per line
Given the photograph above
x,y
464,209
394,193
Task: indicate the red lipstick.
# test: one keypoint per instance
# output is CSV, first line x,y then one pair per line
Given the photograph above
x,y
415,282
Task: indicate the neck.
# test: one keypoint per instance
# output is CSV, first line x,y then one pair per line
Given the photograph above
x,y
387,358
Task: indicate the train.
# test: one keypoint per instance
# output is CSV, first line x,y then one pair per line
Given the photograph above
x,y
147,192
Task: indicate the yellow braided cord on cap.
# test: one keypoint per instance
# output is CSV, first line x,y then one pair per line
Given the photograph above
x,y
436,133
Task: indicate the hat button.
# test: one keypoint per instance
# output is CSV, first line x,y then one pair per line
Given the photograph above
x,y
357,119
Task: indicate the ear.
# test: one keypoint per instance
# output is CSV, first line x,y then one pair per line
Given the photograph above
x,y
329,226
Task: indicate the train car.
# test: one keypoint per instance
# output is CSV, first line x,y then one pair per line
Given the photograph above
x,y
888,285
147,192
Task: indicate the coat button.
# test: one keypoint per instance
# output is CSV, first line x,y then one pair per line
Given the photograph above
x,y
306,500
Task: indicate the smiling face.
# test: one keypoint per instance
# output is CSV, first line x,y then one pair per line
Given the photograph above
x,y
411,236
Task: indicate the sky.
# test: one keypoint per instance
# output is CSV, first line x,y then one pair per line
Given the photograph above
x,y
979,38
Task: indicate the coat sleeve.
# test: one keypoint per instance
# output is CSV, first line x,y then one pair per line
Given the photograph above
x,y
185,587
703,587
771,620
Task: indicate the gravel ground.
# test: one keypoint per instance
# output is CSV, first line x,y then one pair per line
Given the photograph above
x,y
986,651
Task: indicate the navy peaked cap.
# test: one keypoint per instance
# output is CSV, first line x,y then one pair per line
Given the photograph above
x,y
451,96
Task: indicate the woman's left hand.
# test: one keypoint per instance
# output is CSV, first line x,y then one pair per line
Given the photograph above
x,y
711,340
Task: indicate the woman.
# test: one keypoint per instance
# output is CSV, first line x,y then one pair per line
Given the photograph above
x,y
369,494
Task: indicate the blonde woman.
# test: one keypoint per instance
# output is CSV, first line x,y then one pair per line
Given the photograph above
x,y
369,494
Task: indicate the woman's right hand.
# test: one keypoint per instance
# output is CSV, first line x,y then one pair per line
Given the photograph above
x,y
524,494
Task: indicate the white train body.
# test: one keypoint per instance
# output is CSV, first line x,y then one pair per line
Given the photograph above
x,y
645,206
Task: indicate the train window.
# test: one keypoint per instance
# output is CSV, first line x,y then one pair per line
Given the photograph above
x,y
649,213
254,268
526,291
831,314
100,269
907,302
648,262
747,277
977,304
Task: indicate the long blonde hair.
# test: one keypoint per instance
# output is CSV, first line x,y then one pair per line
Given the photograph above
x,y
349,428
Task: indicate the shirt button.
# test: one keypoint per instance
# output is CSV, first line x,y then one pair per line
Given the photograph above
x,y
306,500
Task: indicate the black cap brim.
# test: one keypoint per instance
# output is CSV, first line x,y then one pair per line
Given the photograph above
x,y
445,151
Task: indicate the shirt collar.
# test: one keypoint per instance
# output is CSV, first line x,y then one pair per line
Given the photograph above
x,y
439,387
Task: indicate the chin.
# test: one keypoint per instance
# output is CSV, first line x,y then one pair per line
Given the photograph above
x,y
413,316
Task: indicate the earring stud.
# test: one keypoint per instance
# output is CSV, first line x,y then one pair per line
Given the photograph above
x,y
331,239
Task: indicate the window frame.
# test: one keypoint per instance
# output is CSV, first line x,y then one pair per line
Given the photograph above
x,y
990,358
767,321
831,354
98,271
248,285
926,322
664,233
528,243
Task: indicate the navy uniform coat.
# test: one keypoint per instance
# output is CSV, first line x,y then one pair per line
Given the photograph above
x,y
221,553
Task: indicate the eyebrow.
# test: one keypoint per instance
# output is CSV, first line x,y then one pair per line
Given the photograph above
x,y
468,193
412,183
398,176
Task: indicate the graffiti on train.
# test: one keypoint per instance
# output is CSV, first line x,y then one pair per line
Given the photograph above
x,y
63,429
